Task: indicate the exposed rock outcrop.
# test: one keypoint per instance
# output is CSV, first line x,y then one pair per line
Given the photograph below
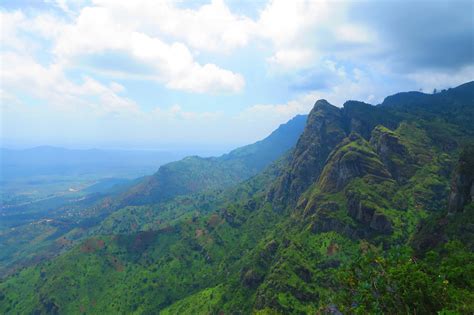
x,y
315,206
393,153
462,184
352,158
362,213
324,222
368,215
251,278
362,118
381,223
458,223
324,130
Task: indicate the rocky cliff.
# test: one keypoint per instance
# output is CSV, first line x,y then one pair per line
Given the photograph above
x,y
324,130
462,184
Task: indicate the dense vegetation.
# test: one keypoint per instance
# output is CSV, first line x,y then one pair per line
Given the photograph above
x,y
38,229
371,212
195,174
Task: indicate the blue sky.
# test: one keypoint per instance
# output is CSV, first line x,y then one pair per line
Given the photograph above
x,y
177,74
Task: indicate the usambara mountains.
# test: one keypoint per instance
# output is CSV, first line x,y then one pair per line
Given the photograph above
x,y
360,209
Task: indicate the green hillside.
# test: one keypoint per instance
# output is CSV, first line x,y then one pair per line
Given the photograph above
x,y
370,213
195,174
39,230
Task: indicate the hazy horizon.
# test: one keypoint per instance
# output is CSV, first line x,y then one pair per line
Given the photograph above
x,y
198,148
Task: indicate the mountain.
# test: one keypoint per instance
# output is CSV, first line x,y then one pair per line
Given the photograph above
x,y
32,230
370,213
195,174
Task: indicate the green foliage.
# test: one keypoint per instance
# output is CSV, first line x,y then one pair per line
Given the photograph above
x,y
195,174
203,302
396,281
352,158
466,159
279,243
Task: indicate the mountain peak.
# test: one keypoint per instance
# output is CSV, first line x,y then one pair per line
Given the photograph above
x,y
322,104
323,131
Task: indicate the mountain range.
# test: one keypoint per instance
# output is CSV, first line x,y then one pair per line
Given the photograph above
x,y
361,209
195,174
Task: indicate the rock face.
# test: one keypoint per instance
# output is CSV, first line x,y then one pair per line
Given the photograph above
x,y
362,118
381,223
393,153
366,214
458,222
359,211
462,192
325,223
352,158
251,278
324,130
324,218
462,184
326,127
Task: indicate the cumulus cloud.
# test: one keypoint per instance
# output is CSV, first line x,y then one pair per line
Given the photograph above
x,y
210,27
22,74
83,60
285,23
292,58
97,30
11,23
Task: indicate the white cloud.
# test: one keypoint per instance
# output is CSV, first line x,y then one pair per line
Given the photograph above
x,y
23,74
428,80
345,85
10,24
110,26
292,58
210,27
295,28
24,33
353,33
273,114
285,22
177,112
316,47
98,30
214,28
116,87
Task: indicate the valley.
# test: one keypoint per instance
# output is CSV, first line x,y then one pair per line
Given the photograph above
x,y
360,209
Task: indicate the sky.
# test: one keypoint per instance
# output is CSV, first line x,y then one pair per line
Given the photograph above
x,y
218,74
